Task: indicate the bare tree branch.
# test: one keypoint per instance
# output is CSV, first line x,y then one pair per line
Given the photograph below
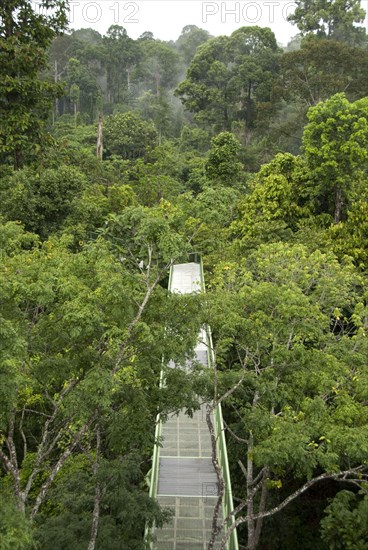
x,y
41,452
262,505
150,288
98,495
60,463
230,391
238,439
23,434
290,498
220,478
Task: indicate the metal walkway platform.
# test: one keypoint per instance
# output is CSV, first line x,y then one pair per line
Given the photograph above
x,y
185,477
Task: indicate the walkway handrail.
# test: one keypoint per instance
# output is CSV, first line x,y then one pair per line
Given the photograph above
x,y
152,475
228,504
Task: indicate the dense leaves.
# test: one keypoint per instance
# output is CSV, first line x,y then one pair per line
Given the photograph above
x,y
333,19
25,99
232,80
128,136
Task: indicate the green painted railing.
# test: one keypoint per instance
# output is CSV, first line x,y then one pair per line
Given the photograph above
x,y
153,482
227,503
152,475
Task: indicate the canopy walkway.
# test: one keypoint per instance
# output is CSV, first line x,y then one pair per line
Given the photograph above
x,y
183,476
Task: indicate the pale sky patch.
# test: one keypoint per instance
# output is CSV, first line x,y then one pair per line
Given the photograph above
x,y
166,18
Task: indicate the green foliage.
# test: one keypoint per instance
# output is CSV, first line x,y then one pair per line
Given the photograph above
x,y
323,67
159,229
287,320
276,202
333,18
190,39
25,98
159,109
120,55
79,137
209,215
82,86
13,238
194,139
223,165
126,507
346,522
15,529
128,135
157,176
86,244
159,67
351,236
335,143
66,317
233,79
41,200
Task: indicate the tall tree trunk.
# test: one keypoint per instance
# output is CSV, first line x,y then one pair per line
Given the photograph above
x,y
56,105
220,479
250,495
99,137
98,494
128,79
11,464
338,203
9,22
262,507
17,157
251,486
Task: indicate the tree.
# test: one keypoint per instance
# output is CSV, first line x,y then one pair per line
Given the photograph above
x,y
190,39
80,75
350,237
41,199
346,521
146,35
74,95
193,138
323,67
255,53
25,99
290,348
159,68
82,348
331,18
204,92
157,108
275,203
294,43
233,80
157,176
128,135
15,529
335,144
122,55
223,165
210,213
